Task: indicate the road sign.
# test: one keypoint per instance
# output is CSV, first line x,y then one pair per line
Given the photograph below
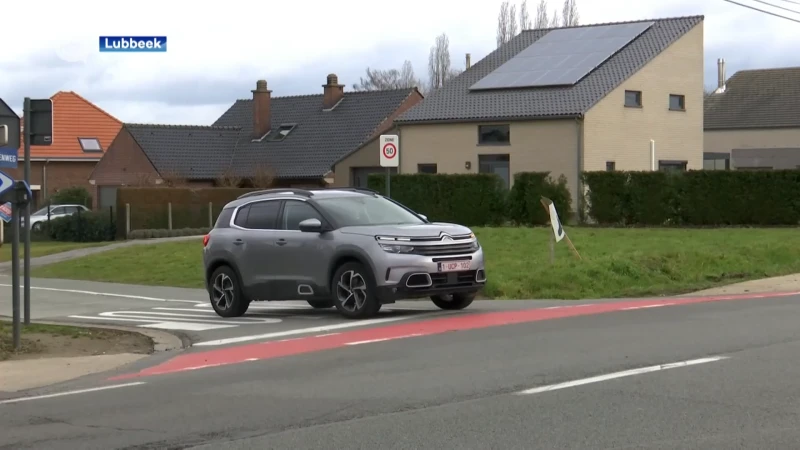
x,y
390,150
5,212
41,121
10,120
6,183
8,157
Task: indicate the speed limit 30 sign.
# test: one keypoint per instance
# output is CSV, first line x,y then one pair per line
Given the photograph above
x,y
389,150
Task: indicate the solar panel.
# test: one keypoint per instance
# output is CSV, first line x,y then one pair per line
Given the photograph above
x,y
562,57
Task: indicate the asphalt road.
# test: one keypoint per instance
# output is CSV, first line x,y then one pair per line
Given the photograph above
x,y
460,390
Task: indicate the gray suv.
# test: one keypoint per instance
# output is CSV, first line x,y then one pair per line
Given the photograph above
x,y
350,248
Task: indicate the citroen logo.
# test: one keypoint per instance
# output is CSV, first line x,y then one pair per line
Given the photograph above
x,y
446,238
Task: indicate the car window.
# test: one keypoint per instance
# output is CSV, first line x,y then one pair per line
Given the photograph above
x,y
57,210
71,209
241,216
41,212
295,212
263,215
367,210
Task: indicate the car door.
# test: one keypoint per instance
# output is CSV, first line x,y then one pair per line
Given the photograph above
x,y
304,256
256,240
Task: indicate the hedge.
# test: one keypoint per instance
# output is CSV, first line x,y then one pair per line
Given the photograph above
x,y
694,198
91,226
467,199
524,200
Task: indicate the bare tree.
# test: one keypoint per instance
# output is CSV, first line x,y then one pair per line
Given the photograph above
x,y
555,21
382,80
228,178
570,14
503,21
263,177
173,178
439,70
542,20
524,17
143,179
512,22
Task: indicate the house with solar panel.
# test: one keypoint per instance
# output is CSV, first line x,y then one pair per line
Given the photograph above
x,y
621,96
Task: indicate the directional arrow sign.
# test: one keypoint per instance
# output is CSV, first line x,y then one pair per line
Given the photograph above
x,y
6,183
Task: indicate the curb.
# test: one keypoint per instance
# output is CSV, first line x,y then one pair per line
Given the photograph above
x,y
162,341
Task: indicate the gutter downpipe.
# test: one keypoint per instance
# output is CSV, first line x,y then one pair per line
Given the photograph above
x,y
44,180
579,194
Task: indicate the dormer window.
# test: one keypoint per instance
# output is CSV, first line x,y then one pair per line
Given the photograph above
x,y
282,131
90,145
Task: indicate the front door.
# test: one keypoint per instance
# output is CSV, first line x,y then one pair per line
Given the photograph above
x,y
257,240
304,256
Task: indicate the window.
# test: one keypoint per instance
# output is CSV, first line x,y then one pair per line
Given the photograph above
x,y
224,218
367,210
241,216
633,99
611,166
90,144
672,166
282,131
494,135
498,164
295,211
72,209
58,210
263,215
677,102
716,161
426,168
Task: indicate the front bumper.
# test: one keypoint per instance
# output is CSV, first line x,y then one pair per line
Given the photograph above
x,y
415,285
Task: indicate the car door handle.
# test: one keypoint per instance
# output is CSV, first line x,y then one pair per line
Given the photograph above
x,y
281,242
238,242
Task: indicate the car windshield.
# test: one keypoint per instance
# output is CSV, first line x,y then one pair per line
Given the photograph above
x,y
41,212
367,210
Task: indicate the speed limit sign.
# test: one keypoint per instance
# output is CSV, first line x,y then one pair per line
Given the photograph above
x,y
389,150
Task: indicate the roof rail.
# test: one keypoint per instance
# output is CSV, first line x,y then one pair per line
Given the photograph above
x,y
358,189
303,192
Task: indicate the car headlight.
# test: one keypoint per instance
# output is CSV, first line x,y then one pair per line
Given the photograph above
x,y
394,248
393,244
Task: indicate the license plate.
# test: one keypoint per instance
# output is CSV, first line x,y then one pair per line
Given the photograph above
x,y
454,266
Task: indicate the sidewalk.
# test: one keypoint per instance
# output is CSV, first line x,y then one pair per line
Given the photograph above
x,y
5,267
786,283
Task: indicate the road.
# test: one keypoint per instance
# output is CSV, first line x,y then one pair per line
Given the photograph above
x,y
485,379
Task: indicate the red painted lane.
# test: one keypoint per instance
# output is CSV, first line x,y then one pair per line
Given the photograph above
x,y
296,346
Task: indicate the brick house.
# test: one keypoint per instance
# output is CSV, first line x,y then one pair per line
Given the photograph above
x,y
81,134
297,139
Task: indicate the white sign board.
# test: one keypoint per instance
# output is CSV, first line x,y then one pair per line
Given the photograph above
x,y
390,150
558,230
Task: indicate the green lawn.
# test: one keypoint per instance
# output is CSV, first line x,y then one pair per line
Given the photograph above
x,y
616,262
46,248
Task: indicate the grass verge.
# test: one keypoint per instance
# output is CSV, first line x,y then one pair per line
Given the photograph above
x,y
46,248
41,340
616,262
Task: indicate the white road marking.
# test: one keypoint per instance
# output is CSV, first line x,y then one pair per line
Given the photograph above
x,y
277,334
625,373
62,394
109,294
328,334
382,339
186,326
646,306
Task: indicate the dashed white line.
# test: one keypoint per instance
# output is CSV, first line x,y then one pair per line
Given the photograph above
x,y
371,341
646,306
62,394
110,294
615,375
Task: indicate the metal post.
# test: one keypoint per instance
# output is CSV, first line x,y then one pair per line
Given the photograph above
x,y
26,111
552,247
127,220
389,182
15,276
169,215
210,215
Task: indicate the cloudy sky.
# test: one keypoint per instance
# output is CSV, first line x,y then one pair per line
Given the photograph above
x,y
216,54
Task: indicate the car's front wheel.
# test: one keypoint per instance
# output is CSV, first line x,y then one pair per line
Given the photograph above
x,y
354,291
454,301
226,293
36,227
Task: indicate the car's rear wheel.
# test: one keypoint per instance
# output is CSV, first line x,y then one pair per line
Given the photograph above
x,y
226,293
454,301
321,304
354,291
37,227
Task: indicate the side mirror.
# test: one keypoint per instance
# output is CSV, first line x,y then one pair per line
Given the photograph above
x,y
311,226
423,217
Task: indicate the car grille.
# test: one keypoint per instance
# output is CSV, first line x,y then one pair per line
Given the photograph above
x,y
453,279
446,249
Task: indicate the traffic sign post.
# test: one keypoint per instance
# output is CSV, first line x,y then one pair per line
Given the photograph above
x,y
18,193
38,116
389,157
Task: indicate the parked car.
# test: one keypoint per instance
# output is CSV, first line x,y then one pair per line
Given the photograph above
x,y
40,217
349,248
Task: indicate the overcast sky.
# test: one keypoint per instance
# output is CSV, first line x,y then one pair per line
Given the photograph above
x,y
216,54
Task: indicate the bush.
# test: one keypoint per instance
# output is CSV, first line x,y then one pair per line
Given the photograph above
x,y
467,199
699,198
83,227
164,233
524,200
76,195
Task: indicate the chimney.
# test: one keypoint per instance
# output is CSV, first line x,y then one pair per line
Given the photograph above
x,y
262,110
721,75
469,61
333,92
